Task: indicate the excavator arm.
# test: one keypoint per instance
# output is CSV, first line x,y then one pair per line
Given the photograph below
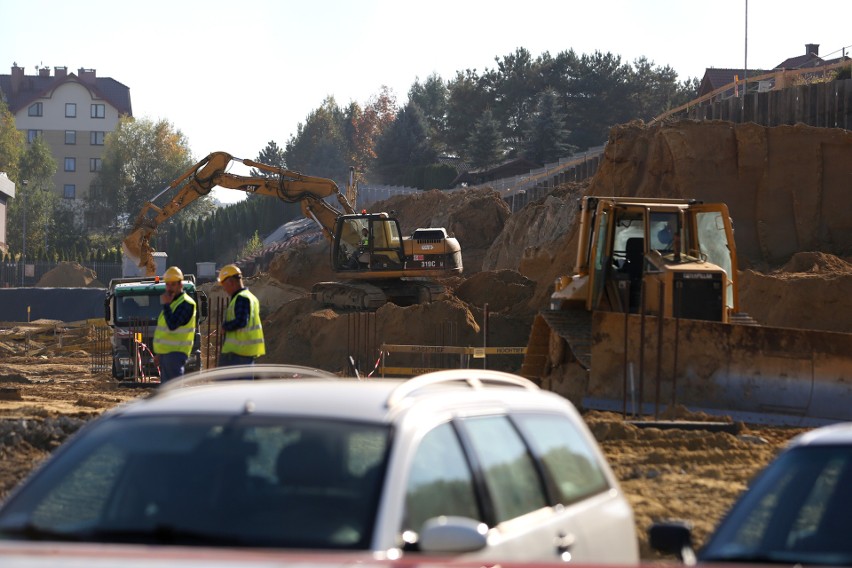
x,y
200,179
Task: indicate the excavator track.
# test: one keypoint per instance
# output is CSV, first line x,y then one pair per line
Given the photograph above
x,y
349,295
363,295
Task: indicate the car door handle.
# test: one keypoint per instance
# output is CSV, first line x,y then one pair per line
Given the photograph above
x,y
564,543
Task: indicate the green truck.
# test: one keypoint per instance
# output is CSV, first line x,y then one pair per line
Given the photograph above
x,y
131,309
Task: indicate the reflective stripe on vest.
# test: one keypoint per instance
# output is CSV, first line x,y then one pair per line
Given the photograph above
x,y
179,339
246,341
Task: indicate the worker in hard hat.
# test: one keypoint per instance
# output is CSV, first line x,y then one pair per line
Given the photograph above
x,y
241,325
175,327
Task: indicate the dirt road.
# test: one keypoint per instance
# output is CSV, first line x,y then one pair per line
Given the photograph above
x,y
667,473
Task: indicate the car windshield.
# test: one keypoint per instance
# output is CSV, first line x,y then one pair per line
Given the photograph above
x,y
213,480
796,512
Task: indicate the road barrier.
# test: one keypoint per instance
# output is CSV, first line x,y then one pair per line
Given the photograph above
x,y
429,352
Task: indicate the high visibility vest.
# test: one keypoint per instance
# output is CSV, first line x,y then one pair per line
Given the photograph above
x,y
180,339
246,341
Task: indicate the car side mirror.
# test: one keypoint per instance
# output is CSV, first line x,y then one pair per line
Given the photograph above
x,y
445,535
673,537
106,309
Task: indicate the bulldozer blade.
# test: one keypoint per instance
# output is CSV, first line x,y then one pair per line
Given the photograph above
x,y
752,373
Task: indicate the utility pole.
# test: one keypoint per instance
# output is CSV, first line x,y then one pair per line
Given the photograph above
x,y
24,239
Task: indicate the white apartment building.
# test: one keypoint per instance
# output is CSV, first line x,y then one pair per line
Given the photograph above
x,y
72,113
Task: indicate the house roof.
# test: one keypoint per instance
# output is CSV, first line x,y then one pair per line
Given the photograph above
x,y
34,87
716,78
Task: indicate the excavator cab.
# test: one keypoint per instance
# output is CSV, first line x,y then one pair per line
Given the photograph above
x,y
367,242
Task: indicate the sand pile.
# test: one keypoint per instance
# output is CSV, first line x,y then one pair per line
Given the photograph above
x,y
70,275
812,291
503,290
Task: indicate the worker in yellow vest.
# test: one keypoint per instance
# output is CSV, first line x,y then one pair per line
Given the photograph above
x,y
241,324
175,327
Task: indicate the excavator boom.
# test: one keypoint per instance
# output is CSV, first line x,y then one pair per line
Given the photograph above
x,y
200,179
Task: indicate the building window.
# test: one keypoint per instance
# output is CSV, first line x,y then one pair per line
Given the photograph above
x,y
96,138
70,110
99,111
35,109
32,135
70,136
69,191
95,164
70,164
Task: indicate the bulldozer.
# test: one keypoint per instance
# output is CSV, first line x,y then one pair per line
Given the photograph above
x,y
375,264
650,319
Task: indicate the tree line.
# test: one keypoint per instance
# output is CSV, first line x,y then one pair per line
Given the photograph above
x,y
540,108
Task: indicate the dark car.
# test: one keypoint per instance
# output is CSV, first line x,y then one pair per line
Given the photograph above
x,y
797,511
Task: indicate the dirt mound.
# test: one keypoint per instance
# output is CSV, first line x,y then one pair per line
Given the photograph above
x,y
319,337
70,275
302,265
271,293
805,294
502,290
815,264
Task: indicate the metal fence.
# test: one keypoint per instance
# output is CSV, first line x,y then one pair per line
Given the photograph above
x,y
18,274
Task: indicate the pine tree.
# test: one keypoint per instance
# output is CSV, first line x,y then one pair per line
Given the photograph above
x,y
546,133
485,145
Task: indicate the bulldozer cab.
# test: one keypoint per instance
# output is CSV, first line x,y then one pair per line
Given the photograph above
x,y
367,242
673,257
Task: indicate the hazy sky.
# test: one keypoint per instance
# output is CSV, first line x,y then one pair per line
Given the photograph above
x,y
234,75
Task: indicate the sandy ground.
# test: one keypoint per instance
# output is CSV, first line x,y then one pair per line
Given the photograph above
x,y
666,473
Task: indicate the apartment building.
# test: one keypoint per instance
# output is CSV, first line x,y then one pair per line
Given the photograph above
x,y
72,113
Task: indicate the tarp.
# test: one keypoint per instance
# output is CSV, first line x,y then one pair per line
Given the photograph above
x,y
64,304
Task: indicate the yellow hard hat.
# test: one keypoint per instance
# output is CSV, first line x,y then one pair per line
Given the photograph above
x,y
228,271
173,274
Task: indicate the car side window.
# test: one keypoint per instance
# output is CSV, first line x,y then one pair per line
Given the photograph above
x,y
83,494
440,481
568,458
510,474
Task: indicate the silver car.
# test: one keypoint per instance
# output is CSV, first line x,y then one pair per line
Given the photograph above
x,y
467,464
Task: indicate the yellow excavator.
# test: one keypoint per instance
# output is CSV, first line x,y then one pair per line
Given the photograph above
x,y
374,262
650,318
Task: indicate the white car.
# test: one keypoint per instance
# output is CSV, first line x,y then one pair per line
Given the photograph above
x,y
469,464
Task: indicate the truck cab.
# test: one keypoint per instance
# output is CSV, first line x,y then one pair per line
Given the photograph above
x,y
131,309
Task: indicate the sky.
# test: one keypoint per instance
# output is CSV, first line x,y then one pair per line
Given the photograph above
x,y
233,76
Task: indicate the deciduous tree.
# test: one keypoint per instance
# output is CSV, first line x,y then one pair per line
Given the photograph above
x,y
141,158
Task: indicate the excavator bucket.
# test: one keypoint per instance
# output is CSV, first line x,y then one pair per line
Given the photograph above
x,y
136,247
753,373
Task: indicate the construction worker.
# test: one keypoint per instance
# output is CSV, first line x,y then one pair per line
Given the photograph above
x,y
241,325
175,327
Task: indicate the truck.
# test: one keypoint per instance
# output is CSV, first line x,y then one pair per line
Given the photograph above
x,y
373,262
650,319
131,308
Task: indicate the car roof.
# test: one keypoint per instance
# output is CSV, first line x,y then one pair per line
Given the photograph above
x,y
324,396
835,434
